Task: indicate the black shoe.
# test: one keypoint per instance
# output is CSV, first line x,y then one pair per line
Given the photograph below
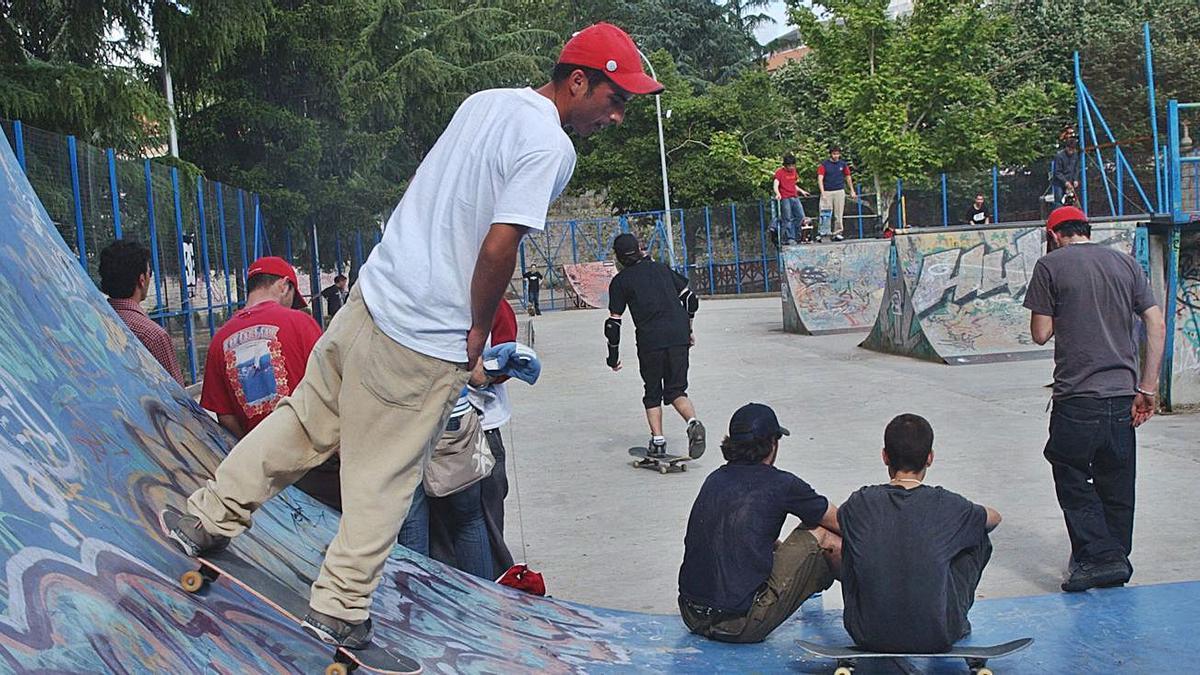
x,y
191,537
334,631
696,436
1085,575
656,450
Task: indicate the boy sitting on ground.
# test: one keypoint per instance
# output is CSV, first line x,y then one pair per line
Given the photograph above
x,y
737,583
913,554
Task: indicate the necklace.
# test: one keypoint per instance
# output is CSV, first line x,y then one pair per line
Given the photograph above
x,y
907,480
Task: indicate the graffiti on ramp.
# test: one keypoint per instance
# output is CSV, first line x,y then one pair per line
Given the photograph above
x,y
833,288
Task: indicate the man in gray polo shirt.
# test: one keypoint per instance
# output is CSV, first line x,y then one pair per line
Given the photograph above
x,y
1087,297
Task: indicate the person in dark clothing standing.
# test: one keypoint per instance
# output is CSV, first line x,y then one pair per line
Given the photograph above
x,y
533,286
737,582
1086,297
912,554
1065,178
662,306
977,213
335,296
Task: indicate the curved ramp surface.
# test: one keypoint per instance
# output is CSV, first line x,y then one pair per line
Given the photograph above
x,y
955,296
589,282
833,288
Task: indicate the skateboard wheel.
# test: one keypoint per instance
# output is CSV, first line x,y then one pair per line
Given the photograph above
x,y
192,581
983,671
337,669
683,467
662,470
843,670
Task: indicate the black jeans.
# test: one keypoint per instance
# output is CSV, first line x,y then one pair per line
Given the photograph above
x,y
1093,452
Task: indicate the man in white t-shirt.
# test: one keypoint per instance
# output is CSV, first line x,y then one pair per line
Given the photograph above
x,y
382,381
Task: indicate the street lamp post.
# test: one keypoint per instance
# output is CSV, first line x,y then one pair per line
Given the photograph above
x,y
662,155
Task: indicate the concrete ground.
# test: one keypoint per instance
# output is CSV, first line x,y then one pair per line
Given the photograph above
x,y
607,534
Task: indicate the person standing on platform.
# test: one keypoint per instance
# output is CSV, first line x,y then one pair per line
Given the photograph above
x,y
833,178
791,211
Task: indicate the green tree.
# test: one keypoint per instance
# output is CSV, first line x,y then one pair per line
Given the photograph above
x,y
916,96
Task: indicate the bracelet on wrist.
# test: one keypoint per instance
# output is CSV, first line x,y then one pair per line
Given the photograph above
x,y
1143,392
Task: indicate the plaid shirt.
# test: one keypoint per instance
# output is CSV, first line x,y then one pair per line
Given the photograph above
x,y
154,336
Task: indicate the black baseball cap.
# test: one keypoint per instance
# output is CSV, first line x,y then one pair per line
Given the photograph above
x,y
626,244
755,422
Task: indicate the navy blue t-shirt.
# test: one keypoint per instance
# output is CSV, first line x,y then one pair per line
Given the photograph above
x,y
730,543
835,174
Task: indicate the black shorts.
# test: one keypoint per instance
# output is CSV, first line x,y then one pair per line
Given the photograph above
x,y
664,371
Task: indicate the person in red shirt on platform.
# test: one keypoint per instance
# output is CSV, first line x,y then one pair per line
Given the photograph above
x,y
791,212
259,356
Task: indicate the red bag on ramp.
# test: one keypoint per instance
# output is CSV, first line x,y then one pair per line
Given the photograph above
x,y
522,578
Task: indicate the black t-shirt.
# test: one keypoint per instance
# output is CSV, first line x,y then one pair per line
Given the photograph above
x,y
534,279
335,297
977,215
897,546
730,542
651,291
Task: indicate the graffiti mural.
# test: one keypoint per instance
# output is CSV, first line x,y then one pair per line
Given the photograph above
x,y
589,282
955,296
95,438
1185,364
834,288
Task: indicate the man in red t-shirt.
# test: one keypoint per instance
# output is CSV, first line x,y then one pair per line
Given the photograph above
x,y
259,355
791,212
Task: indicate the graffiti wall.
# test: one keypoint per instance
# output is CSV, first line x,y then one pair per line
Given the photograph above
x,y
1185,363
589,282
834,288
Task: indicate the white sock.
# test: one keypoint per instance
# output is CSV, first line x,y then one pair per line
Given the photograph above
x,y
658,440
693,419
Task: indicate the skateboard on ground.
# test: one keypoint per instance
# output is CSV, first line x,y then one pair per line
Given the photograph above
x,y
227,564
975,656
661,463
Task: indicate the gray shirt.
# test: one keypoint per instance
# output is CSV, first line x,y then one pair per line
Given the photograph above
x,y
1093,294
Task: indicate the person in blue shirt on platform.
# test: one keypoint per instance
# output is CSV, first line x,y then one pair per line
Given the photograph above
x,y
737,582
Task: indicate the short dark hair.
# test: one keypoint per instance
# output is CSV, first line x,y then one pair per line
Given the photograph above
x,y
835,148
121,263
261,281
747,452
1073,228
562,71
789,159
907,441
340,277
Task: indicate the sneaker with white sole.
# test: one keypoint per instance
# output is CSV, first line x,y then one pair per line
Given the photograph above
x,y
334,631
696,439
191,537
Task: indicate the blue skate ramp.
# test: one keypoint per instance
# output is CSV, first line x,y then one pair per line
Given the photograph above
x,y
95,438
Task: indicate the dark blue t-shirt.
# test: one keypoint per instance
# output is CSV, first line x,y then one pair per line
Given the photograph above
x,y
730,543
897,546
835,174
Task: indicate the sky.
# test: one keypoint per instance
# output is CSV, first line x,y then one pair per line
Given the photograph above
x,y
770,31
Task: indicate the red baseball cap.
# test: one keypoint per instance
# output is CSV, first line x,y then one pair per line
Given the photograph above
x,y
610,50
279,267
1064,214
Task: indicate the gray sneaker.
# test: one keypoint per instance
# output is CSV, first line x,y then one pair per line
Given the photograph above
x,y
655,450
191,537
695,434
334,631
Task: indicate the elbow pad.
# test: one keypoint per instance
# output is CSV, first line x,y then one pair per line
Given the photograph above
x,y
689,301
612,331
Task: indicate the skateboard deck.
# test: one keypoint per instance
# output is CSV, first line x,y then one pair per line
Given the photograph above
x,y
227,564
663,463
975,656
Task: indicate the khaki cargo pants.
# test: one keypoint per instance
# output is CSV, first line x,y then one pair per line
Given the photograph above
x,y
834,201
385,406
799,570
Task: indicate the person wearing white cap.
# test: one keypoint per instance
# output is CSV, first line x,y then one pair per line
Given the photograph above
x,y
382,381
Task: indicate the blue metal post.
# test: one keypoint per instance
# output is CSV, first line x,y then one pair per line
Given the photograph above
x,y
900,203
1079,105
358,252
287,245
1120,189
204,252
315,279
683,239
184,296
945,203
116,196
762,241
859,201
574,249
737,253
1172,278
1174,179
1151,99
80,239
337,251
712,286
152,223
19,143
258,229
995,194
242,225
224,245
